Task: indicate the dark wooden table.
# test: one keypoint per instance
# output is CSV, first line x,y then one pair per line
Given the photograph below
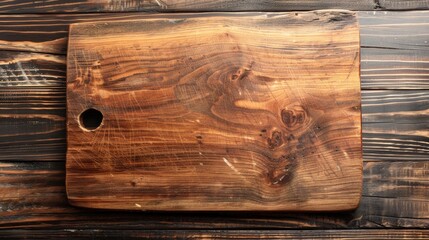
x,y
395,92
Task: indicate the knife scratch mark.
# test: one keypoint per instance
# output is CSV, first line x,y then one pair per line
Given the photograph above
x,y
161,4
231,166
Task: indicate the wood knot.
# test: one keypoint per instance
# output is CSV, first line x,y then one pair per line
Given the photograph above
x,y
282,171
294,117
276,140
240,74
356,108
199,139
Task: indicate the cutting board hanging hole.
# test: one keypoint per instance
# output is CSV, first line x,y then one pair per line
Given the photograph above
x,y
90,119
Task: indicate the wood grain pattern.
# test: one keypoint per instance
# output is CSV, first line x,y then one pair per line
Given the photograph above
x,y
395,50
240,113
32,106
395,185
33,197
394,45
388,62
219,234
403,119
31,6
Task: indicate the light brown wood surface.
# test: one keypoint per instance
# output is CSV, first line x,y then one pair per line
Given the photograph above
x,y
254,112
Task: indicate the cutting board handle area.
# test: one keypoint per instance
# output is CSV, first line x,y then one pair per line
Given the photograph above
x,y
90,119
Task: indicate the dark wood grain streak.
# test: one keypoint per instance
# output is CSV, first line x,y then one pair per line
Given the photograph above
x,y
33,197
40,6
32,106
395,125
395,50
395,234
394,45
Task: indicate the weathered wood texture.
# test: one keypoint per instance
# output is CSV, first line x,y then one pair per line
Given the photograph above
x,y
396,234
395,50
396,125
58,6
215,113
32,106
395,184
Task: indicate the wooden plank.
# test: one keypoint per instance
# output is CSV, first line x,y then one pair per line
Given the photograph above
x,y
33,197
395,53
58,6
255,113
393,44
395,125
32,106
218,234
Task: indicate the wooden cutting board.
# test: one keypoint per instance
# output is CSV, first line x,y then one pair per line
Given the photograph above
x,y
251,111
